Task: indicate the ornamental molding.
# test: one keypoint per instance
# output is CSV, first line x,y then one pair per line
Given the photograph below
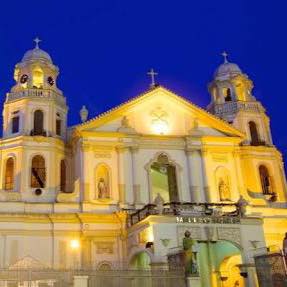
x,y
230,234
220,157
103,247
102,154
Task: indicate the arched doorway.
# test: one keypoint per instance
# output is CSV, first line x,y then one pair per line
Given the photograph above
x,y
163,180
230,272
218,264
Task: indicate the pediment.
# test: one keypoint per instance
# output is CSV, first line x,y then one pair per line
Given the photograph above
x,y
159,111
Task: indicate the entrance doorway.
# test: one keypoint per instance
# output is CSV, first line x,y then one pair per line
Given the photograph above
x,y
163,180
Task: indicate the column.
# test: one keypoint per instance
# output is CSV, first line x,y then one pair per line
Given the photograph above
x,y
125,168
195,177
137,174
205,181
204,267
86,253
240,181
85,186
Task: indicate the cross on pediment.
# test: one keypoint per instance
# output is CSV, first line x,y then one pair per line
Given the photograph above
x,y
152,74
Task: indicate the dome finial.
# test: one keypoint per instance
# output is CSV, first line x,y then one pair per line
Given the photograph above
x,y
225,55
84,114
37,41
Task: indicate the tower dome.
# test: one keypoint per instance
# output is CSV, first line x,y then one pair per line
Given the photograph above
x,y
37,54
226,70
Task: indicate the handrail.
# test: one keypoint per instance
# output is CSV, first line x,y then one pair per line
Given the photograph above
x,y
184,208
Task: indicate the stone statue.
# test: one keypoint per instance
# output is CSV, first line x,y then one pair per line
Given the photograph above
x,y
224,190
189,254
102,189
125,122
242,203
159,201
126,127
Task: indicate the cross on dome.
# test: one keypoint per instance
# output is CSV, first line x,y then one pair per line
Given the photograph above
x,y
37,41
152,74
225,55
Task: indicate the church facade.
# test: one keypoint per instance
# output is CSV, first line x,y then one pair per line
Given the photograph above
x,y
122,189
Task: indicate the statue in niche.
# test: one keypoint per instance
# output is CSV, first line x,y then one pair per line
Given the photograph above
x,y
190,260
103,191
159,201
224,189
242,204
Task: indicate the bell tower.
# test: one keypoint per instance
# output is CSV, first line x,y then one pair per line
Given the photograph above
x,y
35,106
232,101
34,160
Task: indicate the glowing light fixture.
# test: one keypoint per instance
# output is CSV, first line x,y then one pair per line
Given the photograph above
x,y
150,236
75,244
159,126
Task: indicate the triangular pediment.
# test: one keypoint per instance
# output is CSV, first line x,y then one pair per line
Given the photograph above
x,y
159,111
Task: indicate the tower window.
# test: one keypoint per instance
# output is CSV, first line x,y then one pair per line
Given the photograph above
x,y
254,133
265,180
227,96
58,125
38,172
38,78
38,123
9,174
15,124
63,176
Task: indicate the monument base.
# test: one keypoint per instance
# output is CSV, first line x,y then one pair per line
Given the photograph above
x,y
193,282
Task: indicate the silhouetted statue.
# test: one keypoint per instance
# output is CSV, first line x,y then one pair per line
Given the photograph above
x,y
189,254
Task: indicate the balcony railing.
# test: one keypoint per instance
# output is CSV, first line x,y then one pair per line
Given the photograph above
x,y
38,93
213,212
232,107
258,143
42,133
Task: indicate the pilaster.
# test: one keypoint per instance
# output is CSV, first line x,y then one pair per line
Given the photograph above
x,y
125,168
194,167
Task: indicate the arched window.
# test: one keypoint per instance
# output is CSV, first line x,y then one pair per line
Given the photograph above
x,y
38,78
253,133
9,174
265,180
63,176
38,172
38,123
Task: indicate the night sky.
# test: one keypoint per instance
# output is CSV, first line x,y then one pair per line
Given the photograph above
x,y
105,48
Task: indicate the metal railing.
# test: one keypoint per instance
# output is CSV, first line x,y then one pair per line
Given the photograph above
x,y
271,269
95,278
208,210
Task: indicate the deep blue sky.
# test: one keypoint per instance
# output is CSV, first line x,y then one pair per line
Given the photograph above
x,y
104,48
